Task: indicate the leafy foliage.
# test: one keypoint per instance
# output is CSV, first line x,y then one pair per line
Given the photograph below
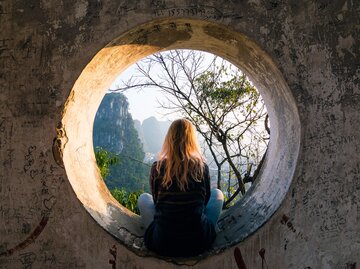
x,y
127,199
104,160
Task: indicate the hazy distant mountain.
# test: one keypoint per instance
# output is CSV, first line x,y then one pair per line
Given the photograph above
x,y
164,126
110,126
154,132
138,128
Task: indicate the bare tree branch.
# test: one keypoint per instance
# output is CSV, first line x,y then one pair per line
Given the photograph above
x,y
221,103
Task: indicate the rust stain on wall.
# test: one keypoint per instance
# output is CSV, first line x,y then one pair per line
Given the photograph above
x,y
113,253
263,260
30,239
239,259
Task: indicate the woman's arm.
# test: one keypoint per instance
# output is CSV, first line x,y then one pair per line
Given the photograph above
x,y
207,183
152,182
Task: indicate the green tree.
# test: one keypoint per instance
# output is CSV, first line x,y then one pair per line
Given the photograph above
x,y
104,161
127,199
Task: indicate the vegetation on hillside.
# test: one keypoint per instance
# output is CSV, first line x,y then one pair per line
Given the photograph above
x,y
104,161
115,137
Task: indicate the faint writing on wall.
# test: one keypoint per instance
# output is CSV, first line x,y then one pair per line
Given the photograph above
x,y
204,12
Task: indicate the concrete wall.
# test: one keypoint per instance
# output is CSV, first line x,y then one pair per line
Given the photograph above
x,y
45,46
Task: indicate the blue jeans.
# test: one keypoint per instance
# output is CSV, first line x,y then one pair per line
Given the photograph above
x,y
212,209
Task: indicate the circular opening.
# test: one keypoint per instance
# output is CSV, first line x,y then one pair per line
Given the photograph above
x,y
274,179
136,112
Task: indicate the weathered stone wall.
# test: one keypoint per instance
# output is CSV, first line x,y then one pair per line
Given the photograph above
x,y
45,46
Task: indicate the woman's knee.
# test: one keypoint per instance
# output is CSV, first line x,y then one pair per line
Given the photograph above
x,y
145,199
217,194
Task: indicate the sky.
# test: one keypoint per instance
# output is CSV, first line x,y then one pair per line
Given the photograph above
x,y
142,103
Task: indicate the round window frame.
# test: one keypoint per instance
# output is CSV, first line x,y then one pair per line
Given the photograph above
x,y
258,204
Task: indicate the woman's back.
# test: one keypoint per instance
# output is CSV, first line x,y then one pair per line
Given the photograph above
x,y
180,227
178,221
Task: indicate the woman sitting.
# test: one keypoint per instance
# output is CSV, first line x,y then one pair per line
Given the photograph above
x,y
181,214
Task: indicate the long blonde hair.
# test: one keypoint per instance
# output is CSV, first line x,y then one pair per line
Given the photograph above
x,y
181,156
